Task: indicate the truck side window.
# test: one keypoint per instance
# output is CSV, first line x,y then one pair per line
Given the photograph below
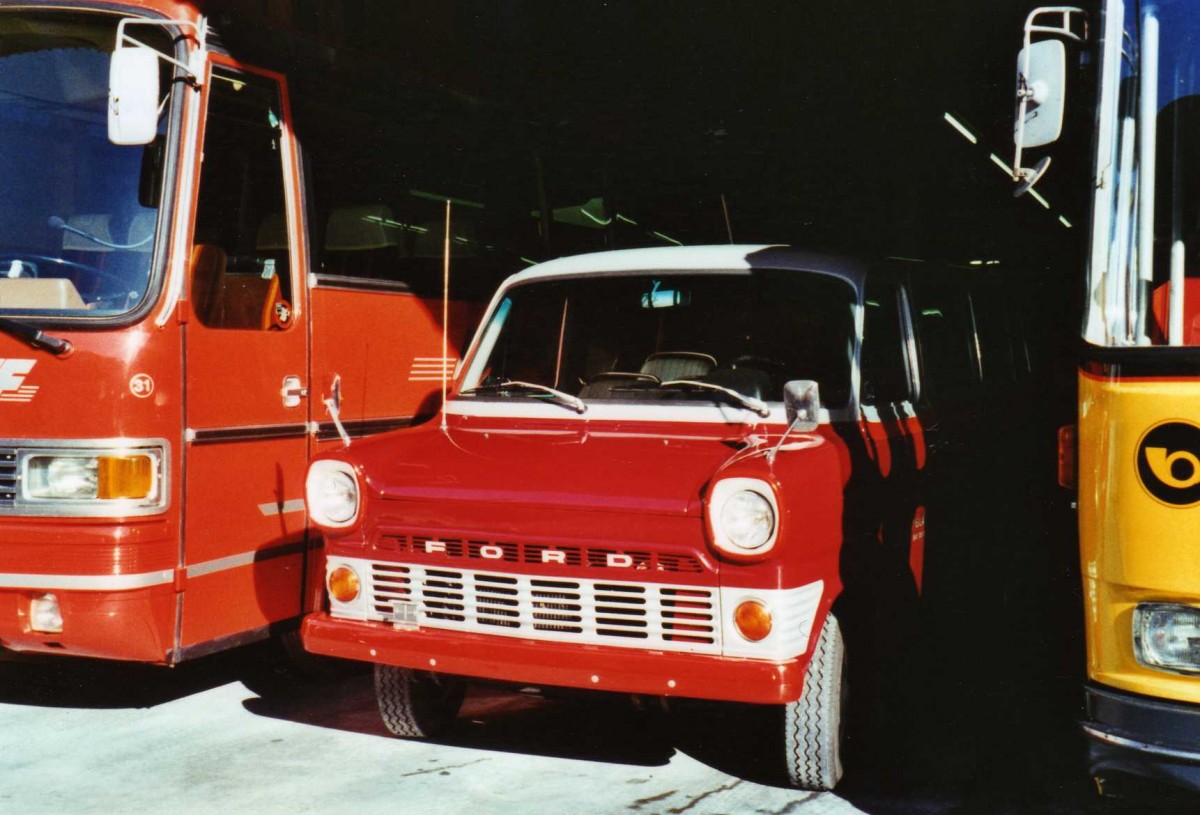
x,y
885,376
241,267
996,349
945,335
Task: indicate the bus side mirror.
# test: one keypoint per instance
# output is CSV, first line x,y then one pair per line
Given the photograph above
x,y
1041,85
802,404
133,96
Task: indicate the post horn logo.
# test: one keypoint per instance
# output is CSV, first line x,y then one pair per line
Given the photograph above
x,y
1168,463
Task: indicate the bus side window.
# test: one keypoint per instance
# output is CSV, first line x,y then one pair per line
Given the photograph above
x,y
885,375
241,226
945,336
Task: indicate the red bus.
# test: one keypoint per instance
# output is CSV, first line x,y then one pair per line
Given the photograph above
x,y
181,316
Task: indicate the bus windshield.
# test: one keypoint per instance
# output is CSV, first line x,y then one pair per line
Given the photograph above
x,y
669,337
1144,280
78,215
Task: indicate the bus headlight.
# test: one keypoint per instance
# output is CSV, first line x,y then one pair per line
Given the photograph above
x,y
1167,637
743,516
104,477
57,478
331,490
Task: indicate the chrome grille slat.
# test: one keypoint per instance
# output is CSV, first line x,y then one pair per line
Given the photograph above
x,y
8,476
664,617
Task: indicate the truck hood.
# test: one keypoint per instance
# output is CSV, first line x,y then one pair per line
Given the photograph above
x,y
654,471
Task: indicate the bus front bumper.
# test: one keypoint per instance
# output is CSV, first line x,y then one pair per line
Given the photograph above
x,y
526,662
1143,736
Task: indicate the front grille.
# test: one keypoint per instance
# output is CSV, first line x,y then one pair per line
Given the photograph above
x,y
8,476
455,548
674,618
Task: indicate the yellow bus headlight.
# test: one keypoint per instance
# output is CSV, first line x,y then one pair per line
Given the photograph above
x,y
1167,637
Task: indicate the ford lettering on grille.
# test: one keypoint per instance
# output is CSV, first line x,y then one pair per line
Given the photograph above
x,y
453,548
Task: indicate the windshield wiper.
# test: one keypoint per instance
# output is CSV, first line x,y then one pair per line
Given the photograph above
x,y
748,402
35,337
564,399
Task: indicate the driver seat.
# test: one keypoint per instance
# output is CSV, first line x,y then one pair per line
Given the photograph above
x,y
669,365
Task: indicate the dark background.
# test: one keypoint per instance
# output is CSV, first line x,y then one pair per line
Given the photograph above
x,y
821,124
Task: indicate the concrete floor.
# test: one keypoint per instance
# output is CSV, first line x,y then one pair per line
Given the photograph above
x,y
239,733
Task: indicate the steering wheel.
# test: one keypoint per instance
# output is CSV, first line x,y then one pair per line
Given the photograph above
x,y
61,263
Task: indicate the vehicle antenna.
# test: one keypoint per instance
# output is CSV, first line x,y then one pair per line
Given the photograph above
x,y
445,308
725,211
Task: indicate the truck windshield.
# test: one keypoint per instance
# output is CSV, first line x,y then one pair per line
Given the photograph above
x,y
1144,268
78,215
645,337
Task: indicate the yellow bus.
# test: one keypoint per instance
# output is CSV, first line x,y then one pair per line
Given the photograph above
x,y
1138,434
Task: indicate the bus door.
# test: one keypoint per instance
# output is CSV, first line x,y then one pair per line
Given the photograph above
x,y
246,373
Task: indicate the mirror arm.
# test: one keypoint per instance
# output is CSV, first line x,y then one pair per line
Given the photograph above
x,y
1026,176
1063,29
194,71
787,432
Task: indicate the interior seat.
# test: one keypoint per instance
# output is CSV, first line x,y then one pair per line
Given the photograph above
x,y
668,365
1191,312
603,385
221,300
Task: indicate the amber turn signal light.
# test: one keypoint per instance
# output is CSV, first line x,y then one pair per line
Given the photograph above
x,y
753,620
124,477
343,584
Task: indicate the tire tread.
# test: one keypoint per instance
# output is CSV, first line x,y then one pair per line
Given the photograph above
x,y
812,724
415,705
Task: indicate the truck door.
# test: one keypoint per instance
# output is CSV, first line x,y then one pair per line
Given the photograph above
x,y
890,421
246,373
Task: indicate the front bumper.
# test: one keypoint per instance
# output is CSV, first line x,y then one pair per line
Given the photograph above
x,y
528,662
1143,736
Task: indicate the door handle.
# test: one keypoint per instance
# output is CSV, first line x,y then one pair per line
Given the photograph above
x,y
292,391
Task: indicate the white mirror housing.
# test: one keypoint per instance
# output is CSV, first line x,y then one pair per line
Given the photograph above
x,y
133,95
1041,84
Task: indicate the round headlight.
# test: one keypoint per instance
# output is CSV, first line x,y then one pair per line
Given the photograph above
x,y
332,493
743,516
747,519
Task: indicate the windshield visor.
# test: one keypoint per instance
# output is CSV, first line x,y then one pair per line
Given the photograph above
x,y
78,215
635,337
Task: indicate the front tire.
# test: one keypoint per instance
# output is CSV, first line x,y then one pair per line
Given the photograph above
x,y
812,725
417,704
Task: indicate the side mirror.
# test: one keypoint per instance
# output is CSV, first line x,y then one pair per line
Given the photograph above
x,y
133,95
1041,86
802,404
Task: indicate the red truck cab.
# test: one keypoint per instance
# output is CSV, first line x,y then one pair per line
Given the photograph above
x,y
652,475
